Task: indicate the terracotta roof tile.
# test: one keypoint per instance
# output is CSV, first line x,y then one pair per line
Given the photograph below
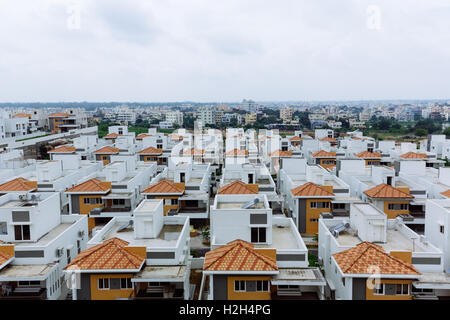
x,y
236,187
367,154
328,139
238,255
4,257
62,149
107,150
58,115
311,189
194,151
151,151
163,186
92,185
111,136
446,193
279,153
237,152
295,138
360,259
109,255
414,155
386,191
142,136
22,115
18,184
324,154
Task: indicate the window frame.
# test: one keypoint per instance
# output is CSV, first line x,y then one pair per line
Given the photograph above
x,y
103,281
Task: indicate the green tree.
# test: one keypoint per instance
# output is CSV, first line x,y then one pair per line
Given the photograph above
x,y
420,132
447,132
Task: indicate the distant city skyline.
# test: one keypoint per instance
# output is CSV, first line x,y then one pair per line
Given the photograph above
x,y
204,51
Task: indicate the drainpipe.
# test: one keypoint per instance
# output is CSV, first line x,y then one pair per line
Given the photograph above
x,y
200,294
74,286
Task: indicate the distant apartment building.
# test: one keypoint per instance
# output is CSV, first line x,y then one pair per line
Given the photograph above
x,y
175,117
207,115
250,118
286,114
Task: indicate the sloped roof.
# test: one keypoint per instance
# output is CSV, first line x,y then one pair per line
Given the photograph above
x,y
324,154
237,152
328,139
446,193
367,154
279,153
4,256
17,184
109,255
22,115
362,258
163,186
58,115
238,255
151,150
414,155
311,189
236,187
107,150
386,191
111,135
194,151
295,138
62,149
142,136
92,185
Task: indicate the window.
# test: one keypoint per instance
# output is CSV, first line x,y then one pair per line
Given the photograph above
x,y
398,206
402,289
262,285
251,286
92,200
118,202
441,229
378,289
103,283
239,286
3,228
78,246
22,232
125,283
68,256
29,283
320,204
258,235
174,202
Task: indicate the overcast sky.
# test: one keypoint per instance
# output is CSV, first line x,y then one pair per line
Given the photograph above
x,y
211,50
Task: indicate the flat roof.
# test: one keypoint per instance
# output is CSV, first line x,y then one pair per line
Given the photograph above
x,y
368,209
238,205
18,203
47,238
168,237
18,272
154,273
147,205
283,237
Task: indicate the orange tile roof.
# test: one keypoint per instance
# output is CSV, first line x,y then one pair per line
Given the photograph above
x,y
236,187
163,186
324,154
92,185
367,154
328,139
151,151
22,115
58,115
4,256
386,191
356,138
238,255
18,184
194,151
414,155
109,255
279,153
62,149
360,259
237,152
175,137
107,150
311,189
446,193
142,136
295,138
111,135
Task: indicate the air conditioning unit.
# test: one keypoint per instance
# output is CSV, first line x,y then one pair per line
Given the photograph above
x,y
81,233
59,252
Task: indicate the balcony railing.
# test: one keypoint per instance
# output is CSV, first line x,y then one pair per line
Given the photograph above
x,y
98,211
21,293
